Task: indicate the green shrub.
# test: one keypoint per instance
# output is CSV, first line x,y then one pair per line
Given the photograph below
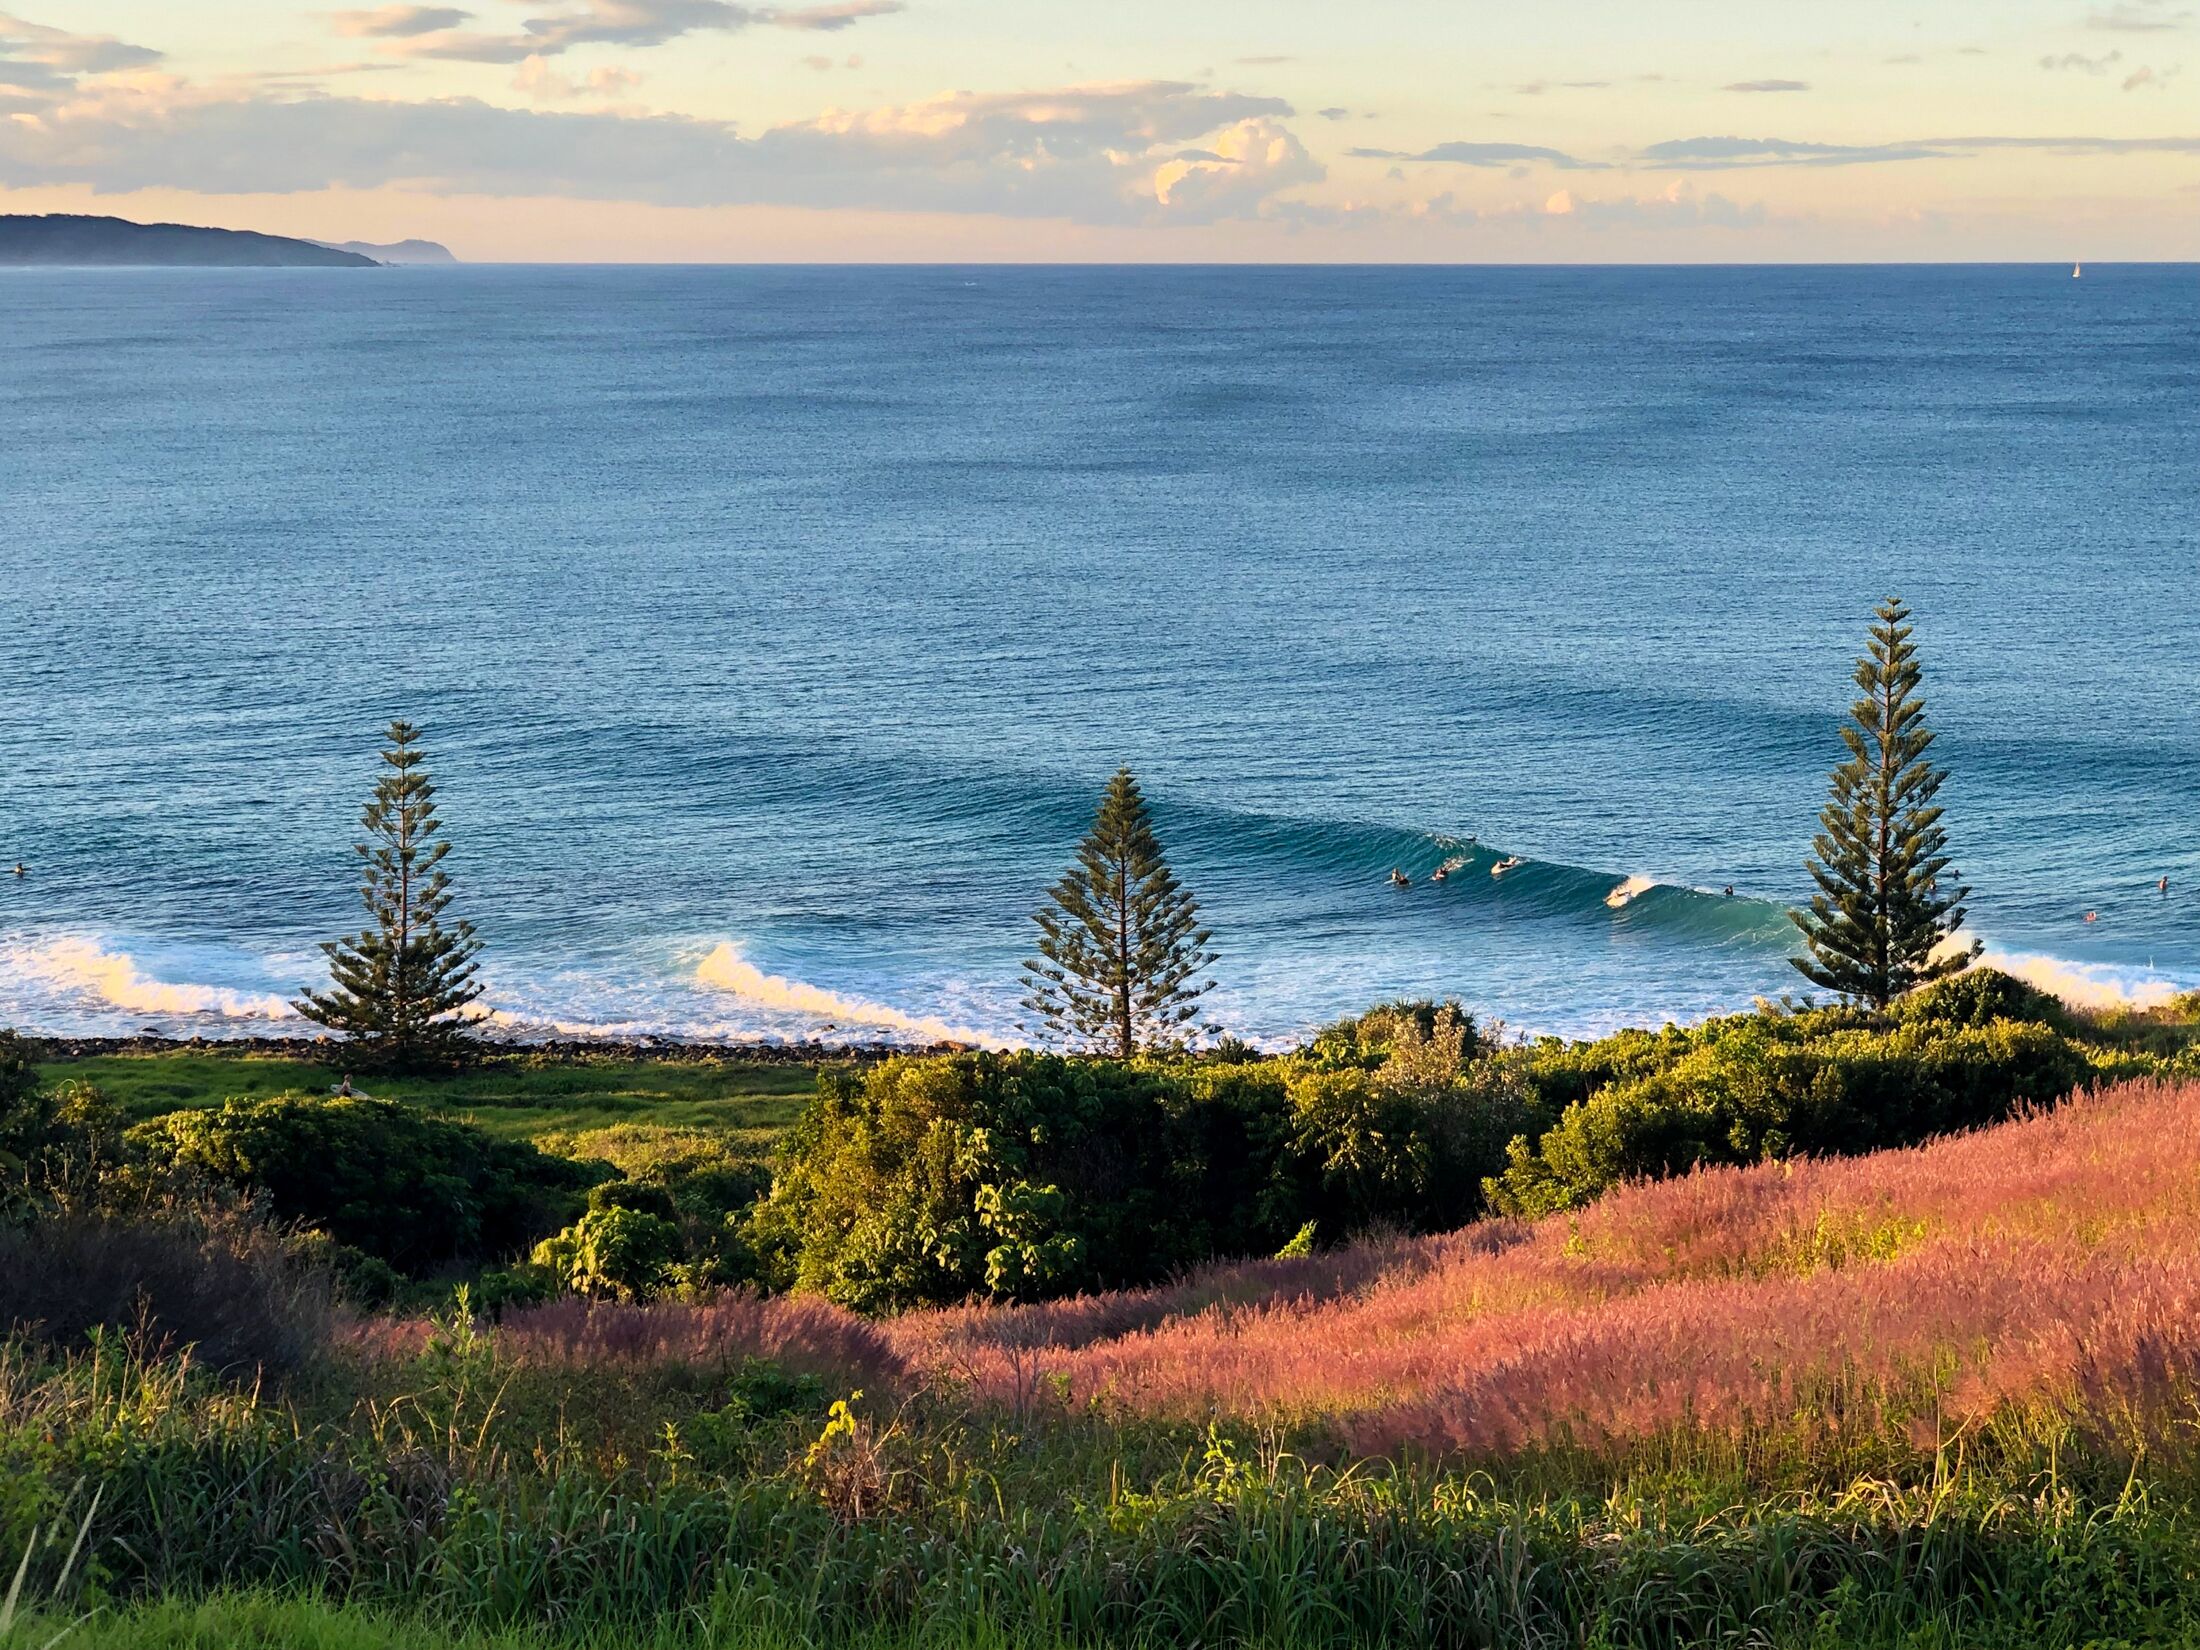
x,y
1755,1086
412,1189
707,1176
1026,1176
1979,997
613,1253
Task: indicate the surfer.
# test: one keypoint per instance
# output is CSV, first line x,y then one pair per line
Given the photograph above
x,y
2093,916
344,1090
21,869
1441,872
1398,878
1730,890
2161,886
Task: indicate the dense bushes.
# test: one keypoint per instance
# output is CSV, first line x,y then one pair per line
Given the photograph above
x,y
1023,1176
1028,1176
1776,1084
411,1189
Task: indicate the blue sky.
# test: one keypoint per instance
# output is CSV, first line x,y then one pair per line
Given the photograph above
x,y
1579,130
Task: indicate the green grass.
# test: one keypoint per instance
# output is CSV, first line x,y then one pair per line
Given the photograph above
x,y
518,1096
273,1621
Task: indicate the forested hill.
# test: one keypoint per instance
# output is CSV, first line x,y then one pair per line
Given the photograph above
x,y
70,239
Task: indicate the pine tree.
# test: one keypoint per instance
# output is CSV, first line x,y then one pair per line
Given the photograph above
x,y
401,987
1882,913
1120,945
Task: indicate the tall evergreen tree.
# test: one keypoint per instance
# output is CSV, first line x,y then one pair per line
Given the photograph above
x,y
1881,911
1120,944
401,987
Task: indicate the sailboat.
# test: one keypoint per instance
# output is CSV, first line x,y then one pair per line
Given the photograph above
x,y
2076,270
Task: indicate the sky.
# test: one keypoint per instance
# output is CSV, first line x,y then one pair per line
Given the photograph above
x,y
1571,131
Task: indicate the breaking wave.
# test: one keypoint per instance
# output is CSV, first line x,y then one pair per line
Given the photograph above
x,y
725,969
83,969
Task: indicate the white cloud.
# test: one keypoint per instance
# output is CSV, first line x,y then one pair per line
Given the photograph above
x,y
1235,173
1769,86
545,85
1153,152
36,57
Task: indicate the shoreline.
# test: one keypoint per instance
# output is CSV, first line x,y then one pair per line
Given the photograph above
x,y
328,1051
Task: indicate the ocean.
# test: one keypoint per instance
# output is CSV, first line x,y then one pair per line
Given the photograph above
x,y
775,629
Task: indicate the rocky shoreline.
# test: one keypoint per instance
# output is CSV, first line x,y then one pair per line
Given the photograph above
x,y
329,1051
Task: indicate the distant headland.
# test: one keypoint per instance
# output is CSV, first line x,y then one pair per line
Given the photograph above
x,y
395,252
70,239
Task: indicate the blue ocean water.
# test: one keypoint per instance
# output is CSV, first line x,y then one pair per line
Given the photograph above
x,y
776,628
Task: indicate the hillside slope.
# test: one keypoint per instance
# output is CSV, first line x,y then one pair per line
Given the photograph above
x,y
2048,1264
63,239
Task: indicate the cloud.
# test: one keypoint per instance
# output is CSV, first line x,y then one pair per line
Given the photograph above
x,y
35,57
2081,62
1710,154
1233,176
635,24
1680,207
1536,88
2148,77
1729,153
545,85
1485,154
1334,114
397,22
1769,86
831,18
1267,62
2138,17
1146,152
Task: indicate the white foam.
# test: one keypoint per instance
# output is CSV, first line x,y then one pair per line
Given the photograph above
x,y
83,968
723,968
2085,985
1626,892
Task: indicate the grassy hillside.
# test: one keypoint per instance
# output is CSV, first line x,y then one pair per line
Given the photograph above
x,y
1938,1396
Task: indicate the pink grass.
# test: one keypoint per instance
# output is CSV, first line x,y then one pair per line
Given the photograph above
x,y
2050,1266
2052,1263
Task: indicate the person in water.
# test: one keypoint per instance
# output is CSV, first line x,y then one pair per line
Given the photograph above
x,y
1398,878
2162,885
1730,890
21,869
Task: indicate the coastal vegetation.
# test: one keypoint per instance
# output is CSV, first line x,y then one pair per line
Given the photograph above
x,y
1853,1324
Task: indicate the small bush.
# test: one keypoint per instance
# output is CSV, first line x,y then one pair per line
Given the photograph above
x,y
613,1252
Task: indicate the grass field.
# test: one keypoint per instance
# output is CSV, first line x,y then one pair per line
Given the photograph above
x,y
516,1095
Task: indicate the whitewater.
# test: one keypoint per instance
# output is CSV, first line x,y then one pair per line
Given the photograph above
x,y
775,630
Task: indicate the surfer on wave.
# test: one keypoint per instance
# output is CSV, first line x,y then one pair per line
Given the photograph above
x,y
1398,878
